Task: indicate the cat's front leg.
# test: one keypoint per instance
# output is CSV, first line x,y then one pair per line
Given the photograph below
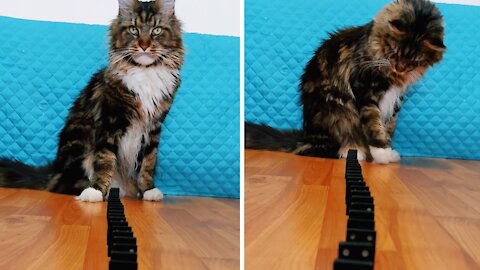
x,y
145,182
107,134
377,135
391,125
104,167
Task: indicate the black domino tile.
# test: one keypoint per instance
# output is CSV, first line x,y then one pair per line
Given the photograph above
x,y
124,255
370,207
344,264
121,241
361,199
361,214
124,247
358,252
122,265
365,224
361,235
356,184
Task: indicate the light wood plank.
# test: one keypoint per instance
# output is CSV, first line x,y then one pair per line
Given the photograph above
x,y
42,230
427,212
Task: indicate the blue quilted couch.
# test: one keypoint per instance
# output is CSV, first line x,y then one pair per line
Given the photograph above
x,y
44,65
441,113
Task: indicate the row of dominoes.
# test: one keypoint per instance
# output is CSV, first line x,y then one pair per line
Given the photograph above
x,y
358,251
122,244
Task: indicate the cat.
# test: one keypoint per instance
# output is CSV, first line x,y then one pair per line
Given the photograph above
x,y
352,88
112,131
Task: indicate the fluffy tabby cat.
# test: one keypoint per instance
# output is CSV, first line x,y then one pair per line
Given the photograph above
x,y
352,88
112,131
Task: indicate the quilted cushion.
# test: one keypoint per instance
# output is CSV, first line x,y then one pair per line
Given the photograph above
x,y
441,114
44,65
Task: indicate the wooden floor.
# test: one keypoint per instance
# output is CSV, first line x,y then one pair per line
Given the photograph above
x,y
41,230
427,212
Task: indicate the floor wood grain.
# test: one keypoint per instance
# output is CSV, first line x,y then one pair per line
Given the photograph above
x,y
427,212
41,230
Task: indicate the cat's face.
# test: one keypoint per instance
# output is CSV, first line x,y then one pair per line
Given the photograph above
x,y
409,34
145,33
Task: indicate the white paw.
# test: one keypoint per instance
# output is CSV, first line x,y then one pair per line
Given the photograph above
x,y
153,194
394,156
360,154
384,155
90,195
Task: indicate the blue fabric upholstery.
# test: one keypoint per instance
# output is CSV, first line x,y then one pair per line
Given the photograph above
x,y
44,65
441,113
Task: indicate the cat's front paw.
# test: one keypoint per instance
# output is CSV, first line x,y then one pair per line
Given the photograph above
x,y
153,194
394,156
344,153
384,155
90,195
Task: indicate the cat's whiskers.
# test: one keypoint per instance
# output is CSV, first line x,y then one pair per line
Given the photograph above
x,y
116,58
379,61
118,55
413,76
369,64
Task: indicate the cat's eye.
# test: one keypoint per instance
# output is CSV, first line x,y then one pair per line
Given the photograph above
x,y
156,31
133,30
397,26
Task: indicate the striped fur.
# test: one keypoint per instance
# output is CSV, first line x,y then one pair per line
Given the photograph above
x,y
352,87
112,131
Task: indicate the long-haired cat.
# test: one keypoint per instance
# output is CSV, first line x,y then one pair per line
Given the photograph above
x,y
112,131
351,90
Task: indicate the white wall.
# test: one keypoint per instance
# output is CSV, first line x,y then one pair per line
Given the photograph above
x,y
218,17
463,2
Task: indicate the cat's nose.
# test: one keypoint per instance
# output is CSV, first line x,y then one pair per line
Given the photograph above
x,y
144,47
144,44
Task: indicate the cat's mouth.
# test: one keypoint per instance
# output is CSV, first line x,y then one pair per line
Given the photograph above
x,y
144,58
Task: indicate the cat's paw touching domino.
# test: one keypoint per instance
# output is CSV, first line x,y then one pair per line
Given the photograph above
x,y
360,154
384,155
90,195
153,194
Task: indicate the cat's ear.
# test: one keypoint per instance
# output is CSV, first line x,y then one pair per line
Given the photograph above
x,y
166,6
435,45
397,27
125,6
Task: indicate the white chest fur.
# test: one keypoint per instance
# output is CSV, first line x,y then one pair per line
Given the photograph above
x,y
151,85
389,101
130,145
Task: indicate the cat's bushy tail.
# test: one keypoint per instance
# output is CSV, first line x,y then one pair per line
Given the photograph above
x,y
263,137
15,174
